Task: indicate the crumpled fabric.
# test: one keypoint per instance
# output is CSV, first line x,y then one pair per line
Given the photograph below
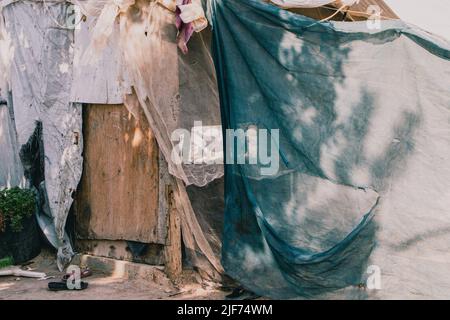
x,y
357,207
191,11
190,18
185,29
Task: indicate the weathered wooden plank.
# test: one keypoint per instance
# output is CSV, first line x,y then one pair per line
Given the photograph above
x,y
172,254
118,196
119,249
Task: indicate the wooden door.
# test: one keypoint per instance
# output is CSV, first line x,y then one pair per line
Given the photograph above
x,y
118,194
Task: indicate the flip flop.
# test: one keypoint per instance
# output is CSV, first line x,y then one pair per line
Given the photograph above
x,y
236,293
84,273
62,286
241,293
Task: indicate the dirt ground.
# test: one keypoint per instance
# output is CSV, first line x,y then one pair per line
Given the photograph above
x,y
104,286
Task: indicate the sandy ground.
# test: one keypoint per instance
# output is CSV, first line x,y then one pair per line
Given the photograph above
x,y
105,287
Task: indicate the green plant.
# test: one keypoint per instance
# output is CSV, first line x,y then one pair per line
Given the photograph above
x,y
15,205
6,262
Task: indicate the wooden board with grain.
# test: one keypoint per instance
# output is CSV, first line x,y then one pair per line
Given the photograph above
x,y
118,195
172,254
153,254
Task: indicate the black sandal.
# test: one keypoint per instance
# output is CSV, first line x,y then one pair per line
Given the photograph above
x,y
62,286
240,293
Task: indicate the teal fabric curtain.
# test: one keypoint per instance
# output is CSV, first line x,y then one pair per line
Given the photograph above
x,y
356,122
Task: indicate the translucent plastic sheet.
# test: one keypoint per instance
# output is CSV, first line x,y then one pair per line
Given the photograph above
x,y
176,91
184,91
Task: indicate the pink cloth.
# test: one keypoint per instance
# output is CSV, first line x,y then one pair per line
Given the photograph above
x,y
185,30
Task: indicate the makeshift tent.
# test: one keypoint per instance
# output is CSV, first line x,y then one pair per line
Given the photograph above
x,y
363,144
50,79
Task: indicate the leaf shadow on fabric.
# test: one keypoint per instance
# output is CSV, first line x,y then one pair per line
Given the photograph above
x,y
278,73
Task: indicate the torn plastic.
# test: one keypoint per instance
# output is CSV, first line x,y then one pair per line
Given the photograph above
x,y
175,91
46,223
40,83
183,90
183,93
11,170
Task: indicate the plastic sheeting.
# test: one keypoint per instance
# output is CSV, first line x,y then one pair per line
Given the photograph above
x,y
359,207
104,76
5,58
184,91
175,91
40,84
11,171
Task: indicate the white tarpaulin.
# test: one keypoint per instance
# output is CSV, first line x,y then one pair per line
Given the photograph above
x,y
11,172
40,84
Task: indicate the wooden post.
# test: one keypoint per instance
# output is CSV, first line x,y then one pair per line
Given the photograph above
x,y
172,252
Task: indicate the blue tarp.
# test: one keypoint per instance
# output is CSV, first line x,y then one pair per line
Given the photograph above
x,y
362,189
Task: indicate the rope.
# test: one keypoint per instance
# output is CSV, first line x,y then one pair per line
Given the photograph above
x,y
334,14
338,10
328,18
358,12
